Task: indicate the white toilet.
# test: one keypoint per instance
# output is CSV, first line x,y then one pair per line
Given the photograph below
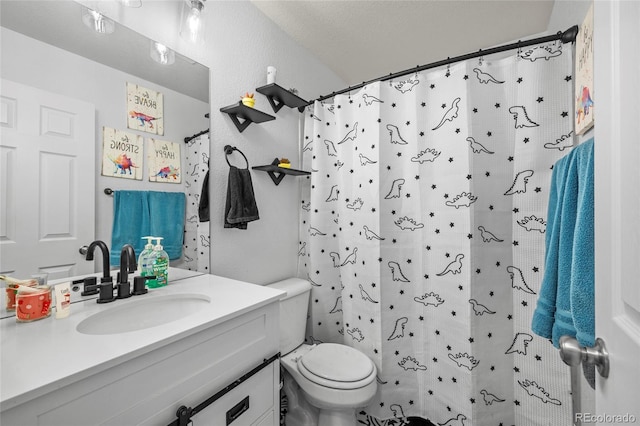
x,y
335,378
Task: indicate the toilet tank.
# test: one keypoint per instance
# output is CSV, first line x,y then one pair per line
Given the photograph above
x,y
293,312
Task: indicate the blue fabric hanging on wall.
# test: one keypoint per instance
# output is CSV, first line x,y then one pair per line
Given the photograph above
x,y
566,304
138,214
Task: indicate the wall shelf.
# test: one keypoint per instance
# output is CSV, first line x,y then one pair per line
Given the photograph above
x,y
278,173
279,96
247,114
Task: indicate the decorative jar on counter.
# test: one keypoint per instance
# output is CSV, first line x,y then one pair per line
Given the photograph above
x,y
32,306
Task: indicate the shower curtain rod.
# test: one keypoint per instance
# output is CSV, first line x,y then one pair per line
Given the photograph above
x,y
566,37
188,139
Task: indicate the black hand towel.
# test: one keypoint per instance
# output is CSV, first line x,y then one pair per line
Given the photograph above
x,y
241,205
203,206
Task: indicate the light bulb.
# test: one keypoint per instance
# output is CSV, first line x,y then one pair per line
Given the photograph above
x,y
193,21
97,21
192,24
162,54
132,3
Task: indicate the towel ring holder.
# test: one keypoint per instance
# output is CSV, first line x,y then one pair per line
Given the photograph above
x,y
228,149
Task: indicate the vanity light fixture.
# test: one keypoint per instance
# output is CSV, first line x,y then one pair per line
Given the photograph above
x,y
162,54
97,21
191,23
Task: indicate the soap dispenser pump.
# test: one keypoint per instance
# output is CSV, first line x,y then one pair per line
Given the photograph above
x,y
145,262
148,248
160,264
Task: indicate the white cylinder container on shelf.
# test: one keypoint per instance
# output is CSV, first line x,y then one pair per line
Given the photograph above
x,y
271,74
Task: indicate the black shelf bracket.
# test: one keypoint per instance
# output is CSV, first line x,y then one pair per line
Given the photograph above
x,y
275,103
278,173
247,114
279,97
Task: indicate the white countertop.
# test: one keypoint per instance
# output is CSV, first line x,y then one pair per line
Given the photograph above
x,y
61,355
175,274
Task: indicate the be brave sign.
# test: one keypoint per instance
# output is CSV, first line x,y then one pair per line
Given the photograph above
x,y
144,109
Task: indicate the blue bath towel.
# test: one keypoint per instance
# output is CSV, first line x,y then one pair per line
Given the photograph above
x,y
166,211
565,301
130,222
138,214
544,314
583,265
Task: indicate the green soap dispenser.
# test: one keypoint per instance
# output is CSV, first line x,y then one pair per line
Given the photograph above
x,y
160,264
145,262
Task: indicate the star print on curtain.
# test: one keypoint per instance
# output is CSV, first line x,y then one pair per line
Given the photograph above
x,y
422,234
196,235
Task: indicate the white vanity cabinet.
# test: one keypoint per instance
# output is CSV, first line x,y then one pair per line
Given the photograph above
x,y
186,370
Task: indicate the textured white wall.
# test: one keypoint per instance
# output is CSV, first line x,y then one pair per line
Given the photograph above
x,y
246,43
240,43
567,13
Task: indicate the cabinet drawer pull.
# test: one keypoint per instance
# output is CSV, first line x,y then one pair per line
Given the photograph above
x,y
237,410
184,413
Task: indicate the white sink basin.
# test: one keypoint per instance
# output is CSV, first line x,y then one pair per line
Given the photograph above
x,y
143,312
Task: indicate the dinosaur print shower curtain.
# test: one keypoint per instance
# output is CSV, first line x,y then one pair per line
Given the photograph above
x,y
196,230
422,233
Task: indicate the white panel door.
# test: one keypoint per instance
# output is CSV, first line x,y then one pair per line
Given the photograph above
x,y
617,214
47,182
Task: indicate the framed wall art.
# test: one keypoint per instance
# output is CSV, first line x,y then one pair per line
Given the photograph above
x,y
122,154
144,109
163,158
584,94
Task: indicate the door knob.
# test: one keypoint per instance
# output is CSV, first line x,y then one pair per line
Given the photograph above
x,y
572,353
83,250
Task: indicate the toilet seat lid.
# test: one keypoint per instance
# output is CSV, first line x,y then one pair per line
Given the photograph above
x,y
336,363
